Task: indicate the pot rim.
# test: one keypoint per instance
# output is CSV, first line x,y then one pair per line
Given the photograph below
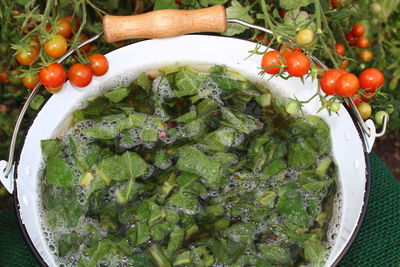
x,y
368,177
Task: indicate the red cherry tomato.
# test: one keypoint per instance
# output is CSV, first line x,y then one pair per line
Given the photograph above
x,y
30,81
340,49
367,96
271,62
351,39
338,3
328,81
82,38
362,42
4,77
356,99
80,75
287,51
298,64
64,27
358,30
282,13
56,46
53,76
347,85
98,64
74,23
371,79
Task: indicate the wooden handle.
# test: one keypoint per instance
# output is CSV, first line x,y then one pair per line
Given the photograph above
x,y
164,23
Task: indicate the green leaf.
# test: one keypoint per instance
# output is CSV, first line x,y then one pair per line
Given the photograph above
x,y
188,82
314,252
241,232
317,186
133,120
58,173
220,140
275,253
129,191
144,82
165,4
194,161
68,243
123,167
185,203
301,155
290,4
202,257
290,206
51,147
143,233
37,101
175,240
101,132
274,167
117,95
187,117
237,11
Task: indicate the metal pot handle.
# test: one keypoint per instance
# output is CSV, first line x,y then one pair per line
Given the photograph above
x,y
6,176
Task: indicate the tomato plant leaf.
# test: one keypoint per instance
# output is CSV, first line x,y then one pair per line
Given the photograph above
x,y
290,4
165,4
237,11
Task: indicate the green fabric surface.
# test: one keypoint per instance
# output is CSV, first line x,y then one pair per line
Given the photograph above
x,y
377,244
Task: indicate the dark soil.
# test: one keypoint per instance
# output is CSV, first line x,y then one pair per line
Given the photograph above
x,y
388,149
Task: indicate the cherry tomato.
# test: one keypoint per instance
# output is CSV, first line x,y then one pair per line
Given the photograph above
x,y
80,75
338,3
351,39
362,42
293,106
282,13
178,2
365,56
358,30
342,71
14,78
4,77
328,81
27,56
53,76
375,8
371,79
287,51
356,99
344,64
365,110
340,49
367,96
30,81
4,48
271,62
56,46
64,27
74,22
347,85
379,116
98,64
298,64
335,106
54,90
82,38
305,37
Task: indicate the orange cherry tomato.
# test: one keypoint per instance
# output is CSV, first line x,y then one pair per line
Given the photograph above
x,y
56,46
287,51
98,64
74,23
27,56
80,75
30,81
365,56
362,42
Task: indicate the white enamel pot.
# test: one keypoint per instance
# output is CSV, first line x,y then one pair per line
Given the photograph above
x,y
126,63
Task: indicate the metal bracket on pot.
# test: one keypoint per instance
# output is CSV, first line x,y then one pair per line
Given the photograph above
x,y
7,181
